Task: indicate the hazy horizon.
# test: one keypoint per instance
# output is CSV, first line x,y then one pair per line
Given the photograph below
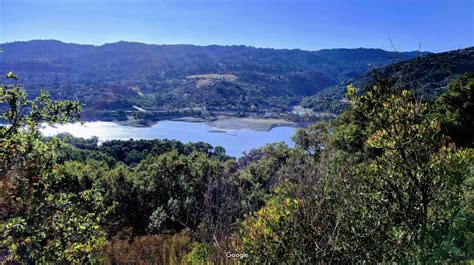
x,y
305,25
223,45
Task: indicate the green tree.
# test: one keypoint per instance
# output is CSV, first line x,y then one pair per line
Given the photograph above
x,y
412,181
172,188
387,185
37,223
313,138
456,109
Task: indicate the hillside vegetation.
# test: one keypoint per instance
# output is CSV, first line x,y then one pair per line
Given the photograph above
x,y
390,180
429,76
167,80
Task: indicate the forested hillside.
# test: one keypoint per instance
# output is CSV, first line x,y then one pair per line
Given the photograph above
x,y
388,180
169,79
428,75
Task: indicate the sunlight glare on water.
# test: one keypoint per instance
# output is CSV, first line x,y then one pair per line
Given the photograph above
x,y
234,141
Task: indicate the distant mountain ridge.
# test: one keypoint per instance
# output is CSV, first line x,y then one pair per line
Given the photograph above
x,y
118,76
428,75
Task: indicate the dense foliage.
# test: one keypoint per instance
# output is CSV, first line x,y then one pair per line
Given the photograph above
x,y
38,222
389,180
380,183
429,76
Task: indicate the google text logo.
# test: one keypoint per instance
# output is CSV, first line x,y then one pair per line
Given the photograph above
x,y
236,255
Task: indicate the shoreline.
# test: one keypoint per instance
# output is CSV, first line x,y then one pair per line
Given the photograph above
x,y
218,123
253,123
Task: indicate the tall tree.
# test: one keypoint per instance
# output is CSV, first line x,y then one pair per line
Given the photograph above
x,y
37,223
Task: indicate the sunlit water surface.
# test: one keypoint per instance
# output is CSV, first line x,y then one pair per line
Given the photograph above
x,y
234,141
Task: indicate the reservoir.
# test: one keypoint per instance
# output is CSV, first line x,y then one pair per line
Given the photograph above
x,y
235,137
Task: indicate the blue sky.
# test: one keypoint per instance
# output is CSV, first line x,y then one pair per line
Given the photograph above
x,y
438,25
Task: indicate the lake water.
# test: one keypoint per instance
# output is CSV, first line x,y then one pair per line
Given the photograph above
x,y
234,141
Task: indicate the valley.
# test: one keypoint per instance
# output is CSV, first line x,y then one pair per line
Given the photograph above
x,y
143,83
